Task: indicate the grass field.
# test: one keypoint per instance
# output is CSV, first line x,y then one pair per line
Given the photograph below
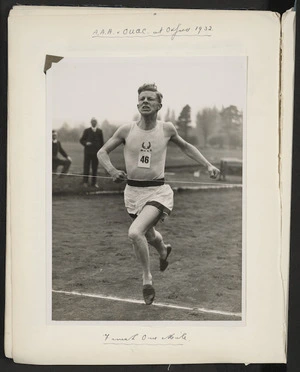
x,y
91,254
93,266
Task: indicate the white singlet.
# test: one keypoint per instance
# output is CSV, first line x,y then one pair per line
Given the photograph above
x,y
145,157
145,152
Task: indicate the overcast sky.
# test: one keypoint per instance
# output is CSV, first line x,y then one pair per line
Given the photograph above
x,y
107,88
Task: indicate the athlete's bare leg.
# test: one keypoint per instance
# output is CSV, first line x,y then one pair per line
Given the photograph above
x,y
137,235
155,239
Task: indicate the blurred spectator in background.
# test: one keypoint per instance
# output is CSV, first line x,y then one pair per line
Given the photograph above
x,y
56,161
92,140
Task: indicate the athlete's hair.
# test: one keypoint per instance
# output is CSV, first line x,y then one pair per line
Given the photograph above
x,y
151,88
54,131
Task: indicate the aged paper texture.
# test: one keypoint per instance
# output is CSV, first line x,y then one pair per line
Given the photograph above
x,y
34,33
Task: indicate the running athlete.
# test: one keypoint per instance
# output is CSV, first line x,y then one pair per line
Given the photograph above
x,y
147,198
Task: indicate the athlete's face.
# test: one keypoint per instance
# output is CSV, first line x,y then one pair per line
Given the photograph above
x,y
148,103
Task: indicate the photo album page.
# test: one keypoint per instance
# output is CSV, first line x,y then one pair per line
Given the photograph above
x,y
149,172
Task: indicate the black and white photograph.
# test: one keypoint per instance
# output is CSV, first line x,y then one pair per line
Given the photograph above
x,y
147,188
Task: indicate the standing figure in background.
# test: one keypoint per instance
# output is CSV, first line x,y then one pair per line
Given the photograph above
x,y
92,140
56,161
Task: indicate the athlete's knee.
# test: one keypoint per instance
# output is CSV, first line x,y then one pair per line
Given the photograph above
x,y
134,234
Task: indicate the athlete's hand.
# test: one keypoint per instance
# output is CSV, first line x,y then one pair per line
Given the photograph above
x,y
119,176
213,172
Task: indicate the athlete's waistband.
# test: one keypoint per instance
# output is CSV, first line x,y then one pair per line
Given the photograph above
x,y
158,182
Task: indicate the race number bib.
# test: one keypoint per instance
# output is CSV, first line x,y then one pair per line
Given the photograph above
x,y
144,160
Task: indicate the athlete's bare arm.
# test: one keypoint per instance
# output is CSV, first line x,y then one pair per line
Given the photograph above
x,y
190,150
103,154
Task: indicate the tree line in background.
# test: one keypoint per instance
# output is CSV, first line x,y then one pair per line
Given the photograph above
x,y
217,128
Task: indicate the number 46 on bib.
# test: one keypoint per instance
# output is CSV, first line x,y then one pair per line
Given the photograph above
x,y
144,159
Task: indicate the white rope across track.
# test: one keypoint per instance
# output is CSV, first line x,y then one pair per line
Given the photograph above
x,y
168,181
